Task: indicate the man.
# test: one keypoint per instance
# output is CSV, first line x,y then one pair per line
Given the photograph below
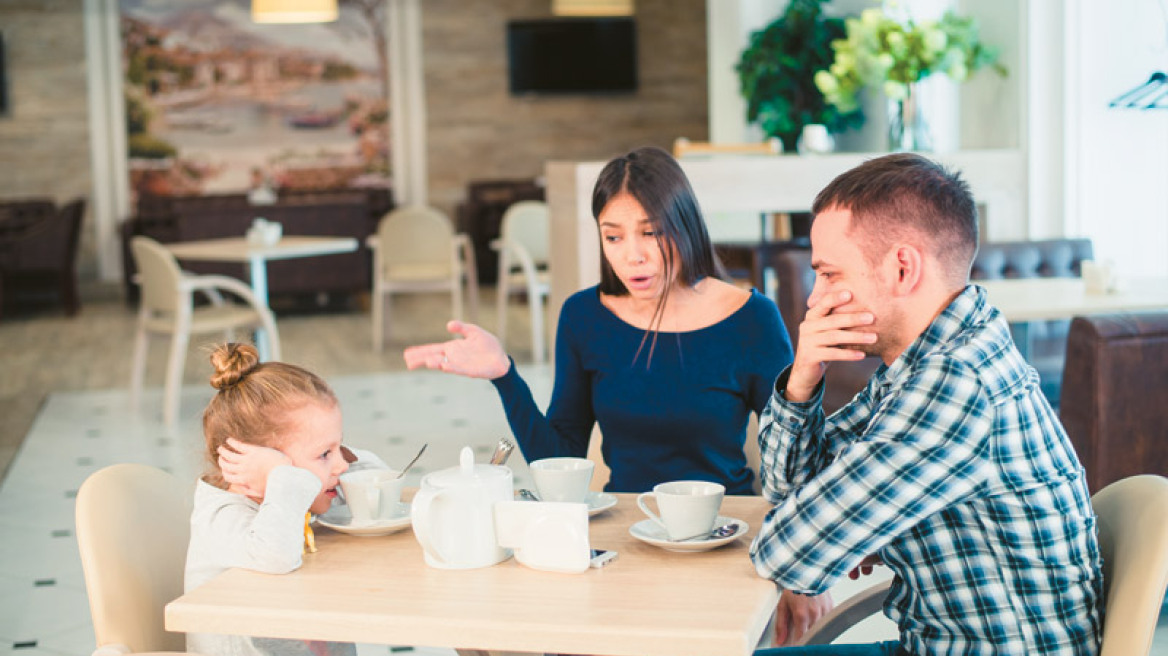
x,y
950,466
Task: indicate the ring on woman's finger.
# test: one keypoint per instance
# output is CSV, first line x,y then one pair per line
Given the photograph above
x,y
445,359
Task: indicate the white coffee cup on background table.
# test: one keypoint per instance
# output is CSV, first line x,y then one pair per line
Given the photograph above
x,y
688,508
372,494
562,479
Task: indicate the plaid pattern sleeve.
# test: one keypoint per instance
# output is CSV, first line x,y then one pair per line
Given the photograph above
x,y
951,466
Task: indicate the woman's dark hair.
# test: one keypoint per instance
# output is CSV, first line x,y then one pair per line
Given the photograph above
x,y
655,180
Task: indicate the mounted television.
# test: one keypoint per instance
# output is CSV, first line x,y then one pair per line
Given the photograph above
x,y
572,55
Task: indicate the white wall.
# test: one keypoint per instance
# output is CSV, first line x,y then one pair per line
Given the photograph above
x,y
1117,159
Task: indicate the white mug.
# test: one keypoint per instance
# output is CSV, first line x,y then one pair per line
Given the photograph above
x,y
548,536
562,479
688,508
371,494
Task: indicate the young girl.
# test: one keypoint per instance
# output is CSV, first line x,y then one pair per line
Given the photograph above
x,y
273,435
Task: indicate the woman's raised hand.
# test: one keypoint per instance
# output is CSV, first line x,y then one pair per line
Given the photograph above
x,y
476,353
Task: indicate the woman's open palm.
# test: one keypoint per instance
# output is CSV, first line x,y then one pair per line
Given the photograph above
x,y
475,353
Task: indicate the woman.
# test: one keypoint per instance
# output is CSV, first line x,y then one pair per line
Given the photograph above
x,y
667,357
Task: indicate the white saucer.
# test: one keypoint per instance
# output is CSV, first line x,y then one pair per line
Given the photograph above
x,y
339,519
648,531
599,502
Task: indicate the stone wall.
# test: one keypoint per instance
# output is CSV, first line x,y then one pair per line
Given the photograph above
x,y
476,130
44,136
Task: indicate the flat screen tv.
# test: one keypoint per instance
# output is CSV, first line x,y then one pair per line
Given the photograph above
x,y
572,55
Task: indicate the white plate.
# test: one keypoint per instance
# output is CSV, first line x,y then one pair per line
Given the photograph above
x,y
339,519
648,531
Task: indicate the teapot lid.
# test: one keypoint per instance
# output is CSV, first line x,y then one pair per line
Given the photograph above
x,y
467,472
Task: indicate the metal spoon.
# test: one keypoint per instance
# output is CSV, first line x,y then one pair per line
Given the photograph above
x,y
502,451
718,532
420,451
527,494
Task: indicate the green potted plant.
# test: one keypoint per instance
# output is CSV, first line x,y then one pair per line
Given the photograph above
x,y
777,74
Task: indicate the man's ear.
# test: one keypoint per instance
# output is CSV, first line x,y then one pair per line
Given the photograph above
x,y
908,263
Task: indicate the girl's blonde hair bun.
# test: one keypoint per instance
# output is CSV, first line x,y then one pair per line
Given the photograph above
x,y
232,363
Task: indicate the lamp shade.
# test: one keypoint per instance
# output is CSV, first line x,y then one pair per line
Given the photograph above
x,y
592,7
293,11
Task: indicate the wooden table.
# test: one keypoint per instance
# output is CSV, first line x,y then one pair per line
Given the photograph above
x,y
1033,299
239,249
378,590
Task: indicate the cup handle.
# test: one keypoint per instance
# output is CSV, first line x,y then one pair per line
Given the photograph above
x,y
645,509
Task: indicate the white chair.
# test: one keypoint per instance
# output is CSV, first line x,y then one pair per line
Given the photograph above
x,y
168,308
417,250
133,526
523,262
1133,539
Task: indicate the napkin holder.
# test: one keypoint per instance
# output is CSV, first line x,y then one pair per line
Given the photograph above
x,y
545,535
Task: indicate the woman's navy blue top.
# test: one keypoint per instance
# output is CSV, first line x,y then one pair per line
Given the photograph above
x,y
680,414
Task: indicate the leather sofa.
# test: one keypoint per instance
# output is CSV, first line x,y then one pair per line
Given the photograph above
x,y
994,260
333,214
1113,395
38,251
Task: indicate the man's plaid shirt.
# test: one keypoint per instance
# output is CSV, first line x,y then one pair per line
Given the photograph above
x,y
954,468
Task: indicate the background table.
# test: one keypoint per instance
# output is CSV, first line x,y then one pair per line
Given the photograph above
x,y
239,249
378,590
1033,299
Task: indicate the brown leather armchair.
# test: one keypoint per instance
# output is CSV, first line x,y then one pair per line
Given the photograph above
x,y
1115,395
38,249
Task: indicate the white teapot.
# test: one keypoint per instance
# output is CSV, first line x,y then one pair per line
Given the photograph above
x,y
453,514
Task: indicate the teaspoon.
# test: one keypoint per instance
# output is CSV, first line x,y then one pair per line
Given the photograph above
x,y
724,531
420,451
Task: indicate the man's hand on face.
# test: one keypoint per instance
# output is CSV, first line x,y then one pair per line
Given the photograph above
x,y
824,337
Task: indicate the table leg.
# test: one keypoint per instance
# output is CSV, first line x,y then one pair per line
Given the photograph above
x,y
258,271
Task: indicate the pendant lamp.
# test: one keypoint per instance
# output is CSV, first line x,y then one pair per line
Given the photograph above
x,y
293,11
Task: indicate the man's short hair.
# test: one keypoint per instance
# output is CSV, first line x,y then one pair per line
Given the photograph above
x,y
894,196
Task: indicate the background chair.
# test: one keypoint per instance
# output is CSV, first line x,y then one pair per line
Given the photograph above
x,y
133,526
1133,539
523,261
38,250
168,307
1117,366
796,278
417,250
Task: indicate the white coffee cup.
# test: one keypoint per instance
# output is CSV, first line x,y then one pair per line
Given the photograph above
x,y
688,508
1098,277
562,479
372,494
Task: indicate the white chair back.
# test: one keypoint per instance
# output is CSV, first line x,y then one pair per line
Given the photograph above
x,y
527,223
158,275
133,526
415,236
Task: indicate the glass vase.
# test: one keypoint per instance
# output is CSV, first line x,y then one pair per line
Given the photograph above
x,y
907,128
